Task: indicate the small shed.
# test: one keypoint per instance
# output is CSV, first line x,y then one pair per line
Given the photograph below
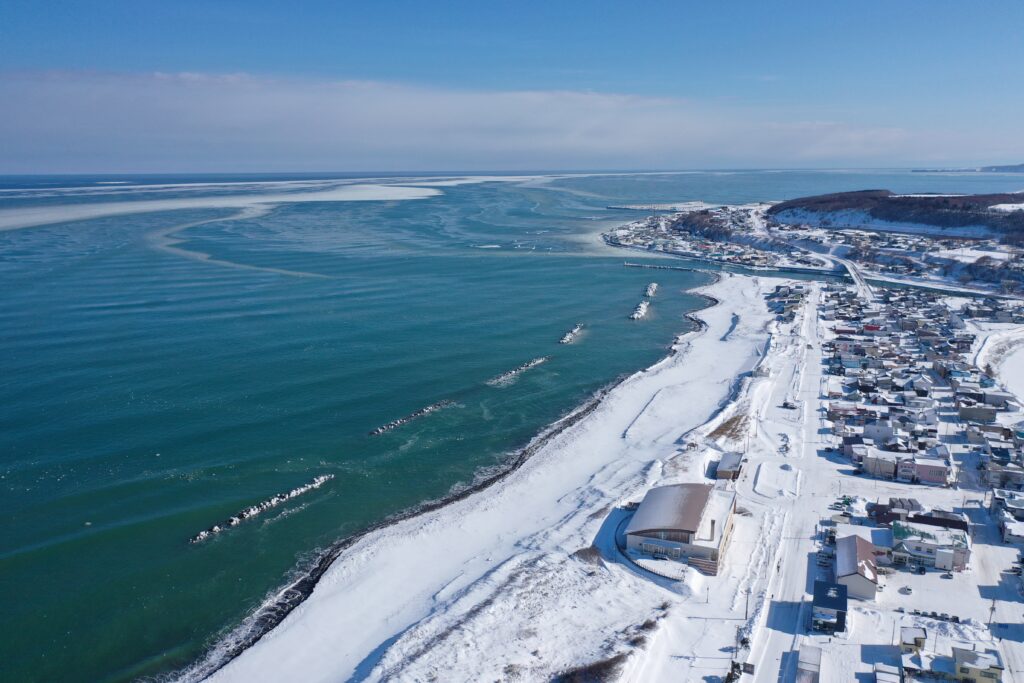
x,y
729,466
808,664
887,673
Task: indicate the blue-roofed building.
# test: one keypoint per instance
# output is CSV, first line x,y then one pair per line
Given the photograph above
x,y
829,607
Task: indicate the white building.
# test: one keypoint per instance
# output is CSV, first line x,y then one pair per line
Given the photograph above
x,y
687,522
930,546
856,568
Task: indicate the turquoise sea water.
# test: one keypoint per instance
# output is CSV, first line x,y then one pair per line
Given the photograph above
x,y
148,392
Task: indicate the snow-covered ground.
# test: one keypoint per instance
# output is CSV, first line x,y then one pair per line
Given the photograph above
x,y
523,580
969,255
1001,347
1011,372
935,282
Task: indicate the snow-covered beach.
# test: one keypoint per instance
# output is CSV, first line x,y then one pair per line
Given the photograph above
x,y
514,570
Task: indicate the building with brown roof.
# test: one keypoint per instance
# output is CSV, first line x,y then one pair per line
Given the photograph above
x,y
686,522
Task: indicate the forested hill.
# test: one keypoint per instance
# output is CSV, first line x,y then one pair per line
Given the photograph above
x,y
944,211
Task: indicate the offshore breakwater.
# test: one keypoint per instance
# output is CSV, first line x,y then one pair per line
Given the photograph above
x,y
570,336
507,377
261,507
282,602
395,424
278,606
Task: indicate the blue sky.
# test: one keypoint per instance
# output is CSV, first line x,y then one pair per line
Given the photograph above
x,y
186,85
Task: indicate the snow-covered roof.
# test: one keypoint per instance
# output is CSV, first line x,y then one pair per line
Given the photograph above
x,y
674,507
1013,527
886,673
932,535
854,555
809,658
887,456
830,596
910,634
879,537
730,461
989,659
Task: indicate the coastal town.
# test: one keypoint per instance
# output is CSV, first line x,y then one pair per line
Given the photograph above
x,y
880,449
822,481
512,342
759,237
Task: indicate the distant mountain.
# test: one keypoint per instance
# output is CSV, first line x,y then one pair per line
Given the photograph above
x,y
1012,168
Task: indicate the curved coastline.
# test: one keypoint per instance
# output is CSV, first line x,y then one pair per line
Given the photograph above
x,y
276,608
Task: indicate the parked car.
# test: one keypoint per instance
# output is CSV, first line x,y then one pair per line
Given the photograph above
x,y
921,569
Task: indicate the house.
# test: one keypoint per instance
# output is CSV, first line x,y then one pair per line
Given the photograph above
x,y
1009,503
1008,508
997,398
687,522
881,464
964,663
912,639
856,568
977,666
922,385
829,607
879,431
1008,476
841,410
969,409
834,387
931,469
1013,531
808,664
930,546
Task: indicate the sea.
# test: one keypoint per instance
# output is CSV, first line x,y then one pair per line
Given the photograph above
x,y
178,349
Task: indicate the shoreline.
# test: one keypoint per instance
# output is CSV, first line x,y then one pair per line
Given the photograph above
x,y
274,610
260,638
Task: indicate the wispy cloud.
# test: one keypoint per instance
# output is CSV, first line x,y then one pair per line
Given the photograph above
x,y
57,122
